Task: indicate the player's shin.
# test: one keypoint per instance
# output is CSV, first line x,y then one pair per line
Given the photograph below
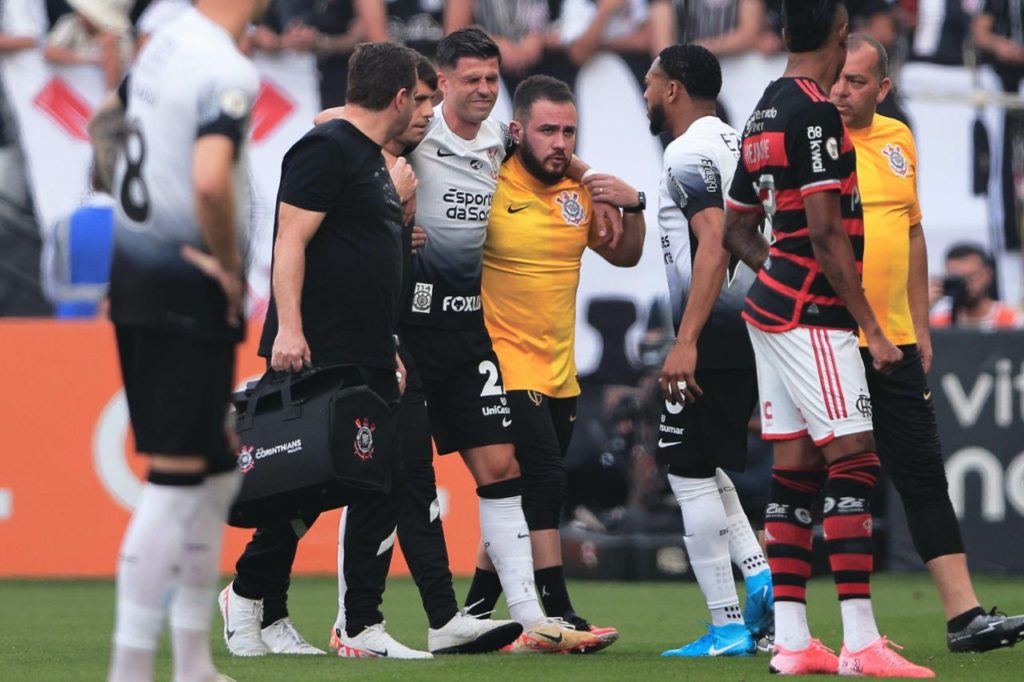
x,y
706,535
507,541
847,522
788,526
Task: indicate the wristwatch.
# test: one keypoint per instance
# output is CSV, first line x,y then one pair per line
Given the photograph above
x,y
641,204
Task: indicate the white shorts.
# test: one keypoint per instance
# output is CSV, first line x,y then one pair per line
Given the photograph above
x,y
811,382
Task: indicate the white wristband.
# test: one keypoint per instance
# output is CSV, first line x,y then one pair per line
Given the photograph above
x,y
590,171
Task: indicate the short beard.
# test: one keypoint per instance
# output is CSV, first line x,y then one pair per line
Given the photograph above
x,y
536,167
656,113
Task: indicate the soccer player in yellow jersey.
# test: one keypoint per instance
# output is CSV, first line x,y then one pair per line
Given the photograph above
x,y
896,283
540,224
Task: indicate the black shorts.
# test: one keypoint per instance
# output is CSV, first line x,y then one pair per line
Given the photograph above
x,y
542,428
462,382
711,431
178,388
906,433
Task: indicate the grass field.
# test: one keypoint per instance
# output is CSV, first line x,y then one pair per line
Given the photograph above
x,y
60,630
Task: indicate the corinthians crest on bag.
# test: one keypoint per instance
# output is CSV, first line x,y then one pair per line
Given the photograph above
x,y
308,442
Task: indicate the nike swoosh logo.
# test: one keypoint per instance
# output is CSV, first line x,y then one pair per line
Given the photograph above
x,y
715,652
442,153
927,395
382,654
556,640
231,633
663,444
506,422
572,418
522,535
517,209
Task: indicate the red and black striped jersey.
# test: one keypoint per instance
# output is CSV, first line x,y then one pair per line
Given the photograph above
x,y
795,144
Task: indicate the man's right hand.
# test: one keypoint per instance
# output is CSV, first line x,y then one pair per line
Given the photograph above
x,y
291,352
404,178
230,281
884,354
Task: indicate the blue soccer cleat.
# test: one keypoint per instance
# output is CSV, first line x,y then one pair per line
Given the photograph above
x,y
759,610
732,639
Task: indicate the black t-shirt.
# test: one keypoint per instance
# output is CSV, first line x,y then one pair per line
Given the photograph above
x,y
350,292
795,144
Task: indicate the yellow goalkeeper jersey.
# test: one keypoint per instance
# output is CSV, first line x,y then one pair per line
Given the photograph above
x,y
536,235
887,177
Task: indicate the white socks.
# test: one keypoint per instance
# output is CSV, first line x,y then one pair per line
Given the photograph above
x,y
706,536
151,552
744,548
173,541
859,627
791,630
507,541
339,621
192,608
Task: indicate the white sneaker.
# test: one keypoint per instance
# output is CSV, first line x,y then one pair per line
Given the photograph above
x,y
242,622
281,637
464,634
375,642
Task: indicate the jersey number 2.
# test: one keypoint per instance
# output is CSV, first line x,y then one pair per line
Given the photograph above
x,y
491,385
134,193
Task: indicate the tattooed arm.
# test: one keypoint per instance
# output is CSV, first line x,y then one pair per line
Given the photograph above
x,y
742,237
106,134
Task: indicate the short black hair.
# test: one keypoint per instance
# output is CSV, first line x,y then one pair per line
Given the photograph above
x,y
466,42
536,88
962,250
377,71
857,40
425,71
808,23
695,67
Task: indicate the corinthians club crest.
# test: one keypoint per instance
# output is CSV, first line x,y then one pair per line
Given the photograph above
x,y
363,443
246,461
897,162
572,210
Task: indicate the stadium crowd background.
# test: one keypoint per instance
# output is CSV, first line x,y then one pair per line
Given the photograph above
x,y
957,68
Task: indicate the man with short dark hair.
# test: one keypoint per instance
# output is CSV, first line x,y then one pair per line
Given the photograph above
x,y
708,378
336,283
457,165
540,223
969,296
798,167
896,284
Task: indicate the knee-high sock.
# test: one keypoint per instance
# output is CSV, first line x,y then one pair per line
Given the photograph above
x,y
744,548
150,557
706,536
847,512
192,608
788,525
507,541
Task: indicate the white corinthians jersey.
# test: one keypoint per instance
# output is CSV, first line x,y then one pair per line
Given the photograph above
x,y
457,179
697,172
189,81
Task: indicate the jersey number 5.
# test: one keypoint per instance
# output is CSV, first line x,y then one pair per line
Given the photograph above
x,y
134,193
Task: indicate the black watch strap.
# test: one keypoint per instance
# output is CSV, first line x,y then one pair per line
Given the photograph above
x,y
640,206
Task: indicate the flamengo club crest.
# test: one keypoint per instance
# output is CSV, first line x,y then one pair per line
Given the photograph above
x,y
363,443
897,162
246,461
572,210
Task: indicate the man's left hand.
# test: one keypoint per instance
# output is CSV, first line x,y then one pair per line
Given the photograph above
x,y
612,190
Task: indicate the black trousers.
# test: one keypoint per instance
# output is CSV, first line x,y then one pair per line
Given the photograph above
x,y
907,438
264,569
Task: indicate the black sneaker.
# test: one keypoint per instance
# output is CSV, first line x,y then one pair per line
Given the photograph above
x,y
986,632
